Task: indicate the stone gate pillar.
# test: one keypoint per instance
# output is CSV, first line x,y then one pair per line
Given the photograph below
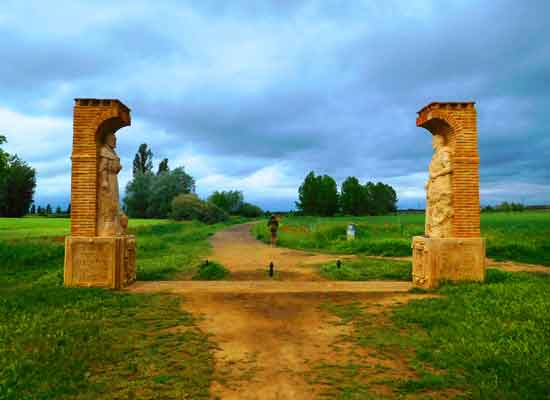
x,y
451,248
98,253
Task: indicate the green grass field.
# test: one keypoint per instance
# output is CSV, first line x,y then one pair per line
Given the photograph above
x,y
58,342
476,341
522,236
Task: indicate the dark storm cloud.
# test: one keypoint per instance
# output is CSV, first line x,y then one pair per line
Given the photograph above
x,y
325,85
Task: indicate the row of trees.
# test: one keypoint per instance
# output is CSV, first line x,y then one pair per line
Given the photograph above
x,y
152,195
504,207
318,195
48,210
17,184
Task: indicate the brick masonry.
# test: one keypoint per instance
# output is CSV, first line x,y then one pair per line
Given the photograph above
x,y
92,119
457,121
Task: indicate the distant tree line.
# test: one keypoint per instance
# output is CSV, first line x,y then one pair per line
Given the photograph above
x,y
17,184
170,193
504,207
318,195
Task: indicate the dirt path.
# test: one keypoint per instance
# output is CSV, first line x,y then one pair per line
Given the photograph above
x,y
270,333
248,259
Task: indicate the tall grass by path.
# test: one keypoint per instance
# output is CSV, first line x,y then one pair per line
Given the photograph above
x,y
520,236
481,341
58,342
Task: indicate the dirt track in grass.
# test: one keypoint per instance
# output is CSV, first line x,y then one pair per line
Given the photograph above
x,y
271,334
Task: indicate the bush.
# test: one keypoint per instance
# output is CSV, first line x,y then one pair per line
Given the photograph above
x,y
250,211
211,272
187,207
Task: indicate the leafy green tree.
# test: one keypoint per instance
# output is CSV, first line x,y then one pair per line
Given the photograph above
x,y
353,198
58,210
17,185
380,198
40,210
250,210
138,192
318,195
163,166
143,160
187,207
308,195
69,209
48,209
230,201
164,188
33,209
328,196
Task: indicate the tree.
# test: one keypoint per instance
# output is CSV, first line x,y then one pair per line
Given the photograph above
x,y
328,196
33,209
69,209
58,210
380,198
143,161
353,197
17,184
230,201
138,193
318,195
164,188
40,211
48,209
307,195
163,166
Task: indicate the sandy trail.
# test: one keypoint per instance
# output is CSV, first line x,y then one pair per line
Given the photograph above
x,y
271,332
248,259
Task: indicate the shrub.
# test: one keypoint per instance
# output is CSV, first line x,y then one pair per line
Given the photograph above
x,y
211,272
187,207
250,211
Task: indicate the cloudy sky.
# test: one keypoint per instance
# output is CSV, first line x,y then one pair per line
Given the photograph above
x,y
252,95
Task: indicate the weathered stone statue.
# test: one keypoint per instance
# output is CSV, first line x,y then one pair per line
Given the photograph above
x,y
451,248
439,209
98,253
111,221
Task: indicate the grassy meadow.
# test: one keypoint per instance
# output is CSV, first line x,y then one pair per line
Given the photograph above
x,y
66,343
520,236
473,341
480,341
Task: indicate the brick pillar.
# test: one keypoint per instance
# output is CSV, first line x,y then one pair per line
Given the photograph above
x,y
458,123
92,119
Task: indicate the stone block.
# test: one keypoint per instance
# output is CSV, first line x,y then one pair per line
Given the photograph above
x,y
108,262
447,259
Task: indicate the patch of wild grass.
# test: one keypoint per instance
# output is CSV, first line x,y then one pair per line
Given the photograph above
x,y
487,341
517,236
58,342
211,272
96,344
366,269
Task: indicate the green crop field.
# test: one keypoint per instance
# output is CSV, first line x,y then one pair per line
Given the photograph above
x,y
521,236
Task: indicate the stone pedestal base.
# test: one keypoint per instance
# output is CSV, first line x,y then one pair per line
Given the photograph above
x,y
108,262
449,259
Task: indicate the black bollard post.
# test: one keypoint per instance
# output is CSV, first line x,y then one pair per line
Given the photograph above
x,y
271,269
338,264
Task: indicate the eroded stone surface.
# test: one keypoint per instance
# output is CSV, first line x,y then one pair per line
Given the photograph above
x,y
98,253
451,248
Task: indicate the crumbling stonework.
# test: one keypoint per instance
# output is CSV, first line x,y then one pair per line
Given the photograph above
x,y
98,253
451,248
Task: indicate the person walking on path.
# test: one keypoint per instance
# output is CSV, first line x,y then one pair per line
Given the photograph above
x,y
273,226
